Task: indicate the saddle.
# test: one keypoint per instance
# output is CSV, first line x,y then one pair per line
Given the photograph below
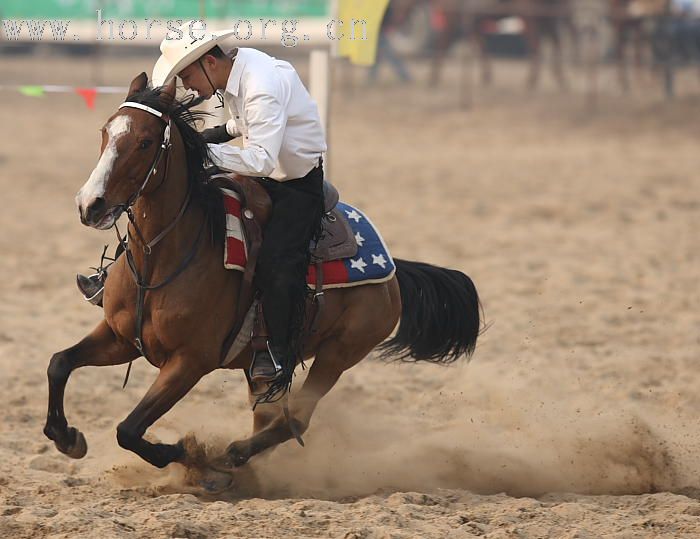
x,y
336,241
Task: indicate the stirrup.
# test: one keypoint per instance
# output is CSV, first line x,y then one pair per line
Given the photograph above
x,y
92,287
263,376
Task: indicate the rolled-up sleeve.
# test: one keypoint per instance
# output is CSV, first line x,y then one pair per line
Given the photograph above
x,y
266,116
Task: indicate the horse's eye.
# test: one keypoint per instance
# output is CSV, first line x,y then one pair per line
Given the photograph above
x,y
145,144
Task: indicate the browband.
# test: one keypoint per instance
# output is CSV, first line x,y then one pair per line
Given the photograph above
x,y
133,105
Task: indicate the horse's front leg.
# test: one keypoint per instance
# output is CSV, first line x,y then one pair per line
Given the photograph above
x,y
101,348
179,374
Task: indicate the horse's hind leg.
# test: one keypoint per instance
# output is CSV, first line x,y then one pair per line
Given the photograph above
x,y
371,315
332,358
101,348
177,376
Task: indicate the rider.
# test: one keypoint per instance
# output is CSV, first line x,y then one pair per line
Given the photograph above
x,y
283,142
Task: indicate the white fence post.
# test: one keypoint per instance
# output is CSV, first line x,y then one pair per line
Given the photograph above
x,y
319,88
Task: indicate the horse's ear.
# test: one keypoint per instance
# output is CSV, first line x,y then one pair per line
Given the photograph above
x,y
138,84
167,92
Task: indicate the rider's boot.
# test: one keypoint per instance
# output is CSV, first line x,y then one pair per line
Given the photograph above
x,y
267,364
92,286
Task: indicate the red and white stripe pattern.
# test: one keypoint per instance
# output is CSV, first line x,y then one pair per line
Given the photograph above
x,y
235,252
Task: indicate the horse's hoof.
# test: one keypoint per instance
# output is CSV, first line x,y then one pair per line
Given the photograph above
x,y
79,447
216,482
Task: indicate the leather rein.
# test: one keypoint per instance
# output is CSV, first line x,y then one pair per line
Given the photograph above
x,y
142,286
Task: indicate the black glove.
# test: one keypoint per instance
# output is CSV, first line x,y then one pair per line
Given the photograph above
x,y
216,135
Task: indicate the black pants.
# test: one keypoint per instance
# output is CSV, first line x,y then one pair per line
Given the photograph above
x,y
297,210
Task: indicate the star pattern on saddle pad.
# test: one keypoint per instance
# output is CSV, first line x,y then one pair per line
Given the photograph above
x,y
372,262
358,264
353,215
379,260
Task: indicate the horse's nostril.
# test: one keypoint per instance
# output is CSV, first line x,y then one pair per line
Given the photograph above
x,y
95,209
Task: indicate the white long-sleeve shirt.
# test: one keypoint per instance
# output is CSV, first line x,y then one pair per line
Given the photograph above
x,y
271,109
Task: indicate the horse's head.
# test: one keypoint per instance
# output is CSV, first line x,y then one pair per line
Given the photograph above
x,y
131,145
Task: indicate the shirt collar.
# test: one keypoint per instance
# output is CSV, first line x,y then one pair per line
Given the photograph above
x,y
234,78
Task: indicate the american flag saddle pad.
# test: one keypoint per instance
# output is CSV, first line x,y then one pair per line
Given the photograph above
x,y
371,264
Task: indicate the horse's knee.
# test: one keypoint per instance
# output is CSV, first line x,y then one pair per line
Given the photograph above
x,y
59,368
126,436
298,426
294,424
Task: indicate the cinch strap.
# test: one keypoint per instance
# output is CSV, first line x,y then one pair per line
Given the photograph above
x,y
134,105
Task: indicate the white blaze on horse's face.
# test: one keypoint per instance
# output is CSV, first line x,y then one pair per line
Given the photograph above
x,y
96,185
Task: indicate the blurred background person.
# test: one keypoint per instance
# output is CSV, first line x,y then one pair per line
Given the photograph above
x,y
385,50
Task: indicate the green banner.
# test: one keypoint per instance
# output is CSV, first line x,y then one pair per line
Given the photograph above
x,y
162,9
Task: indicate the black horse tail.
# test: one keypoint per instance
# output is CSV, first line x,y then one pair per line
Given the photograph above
x,y
440,315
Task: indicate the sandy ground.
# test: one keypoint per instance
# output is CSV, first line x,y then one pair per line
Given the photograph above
x,y
577,417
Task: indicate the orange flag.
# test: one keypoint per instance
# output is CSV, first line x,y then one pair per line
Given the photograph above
x,y
88,94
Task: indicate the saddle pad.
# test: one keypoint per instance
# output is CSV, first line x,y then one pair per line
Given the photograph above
x,y
371,264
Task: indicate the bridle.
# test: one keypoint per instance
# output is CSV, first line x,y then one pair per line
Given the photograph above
x,y
142,286
164,148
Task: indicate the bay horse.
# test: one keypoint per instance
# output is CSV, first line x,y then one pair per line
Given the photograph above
x,y
151,165
634,24
541,21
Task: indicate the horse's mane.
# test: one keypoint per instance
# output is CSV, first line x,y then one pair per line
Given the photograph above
x,y
196,150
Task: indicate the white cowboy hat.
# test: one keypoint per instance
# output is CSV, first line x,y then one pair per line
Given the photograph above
x,y
177,54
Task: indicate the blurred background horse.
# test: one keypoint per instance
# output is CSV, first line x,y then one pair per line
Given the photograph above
x,y
538,20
